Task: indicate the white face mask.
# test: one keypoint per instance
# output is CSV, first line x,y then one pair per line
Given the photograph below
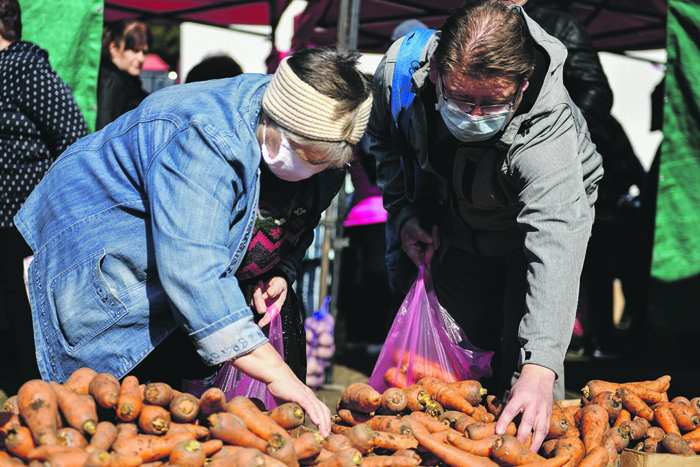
x,y
466,127
287,165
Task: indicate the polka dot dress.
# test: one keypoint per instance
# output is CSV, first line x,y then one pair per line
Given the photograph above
x,y
39,119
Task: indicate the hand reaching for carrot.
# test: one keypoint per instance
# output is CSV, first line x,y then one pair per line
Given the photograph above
x,y
531,395
266,365
260,296
418,244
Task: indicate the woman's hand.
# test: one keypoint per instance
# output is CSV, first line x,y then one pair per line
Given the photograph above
x,y
531,395
417,243
266,365
261,296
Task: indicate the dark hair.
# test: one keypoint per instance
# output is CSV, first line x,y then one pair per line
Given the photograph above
x,y
10,20
214,67
486,39
333,73
135,35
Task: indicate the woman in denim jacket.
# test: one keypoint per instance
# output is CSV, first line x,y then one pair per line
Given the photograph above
x,y
150,223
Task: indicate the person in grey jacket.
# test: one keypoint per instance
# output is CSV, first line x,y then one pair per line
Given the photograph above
x,y
495,189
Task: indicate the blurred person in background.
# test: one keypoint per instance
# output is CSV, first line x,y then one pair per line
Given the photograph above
x,y
125,45
39,119
214,67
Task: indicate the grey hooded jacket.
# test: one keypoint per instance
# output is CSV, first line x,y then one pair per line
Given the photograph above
x,y
535,194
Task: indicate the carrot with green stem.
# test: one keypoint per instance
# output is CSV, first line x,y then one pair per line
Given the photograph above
x,y
38,407
471,390
289,415
417,397
308,445
130,400
79,410
188,454
105,388
154,420
105,435
254,418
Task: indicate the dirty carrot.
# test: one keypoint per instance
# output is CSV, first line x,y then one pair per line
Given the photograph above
x,y
105,434
686,417
98,458
20,442
431,423
570,445
675,444
417,397
288,415
231,429
394,400
665,419
394,441
478,447
184,408
188,454
596,457
624,416
361,397
494,405
634,403
158,394
552,462
558,425
695,404
389,423
211,401
154,420
471,390
654,432
254,418
80,380
396,378
78,409
65,457
618,435
104,388
510,451
335,443
198,431
308,445
149,447
211,446
69,436
610,402
10,405
594,422
636,428
451,417
362,438
446,395
38,407
353,417
691,434
238,456
130,400
462,423
343,458
482,430
389,461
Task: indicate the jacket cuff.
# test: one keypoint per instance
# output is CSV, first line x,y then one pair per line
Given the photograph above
x,y
546,358
403,215
231,341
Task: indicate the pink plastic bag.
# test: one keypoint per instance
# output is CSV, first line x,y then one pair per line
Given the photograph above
x,y
236,383
424,340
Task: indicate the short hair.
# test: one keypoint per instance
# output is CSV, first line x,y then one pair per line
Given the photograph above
x,y
486,39
135,35
333,73
10,20
214,67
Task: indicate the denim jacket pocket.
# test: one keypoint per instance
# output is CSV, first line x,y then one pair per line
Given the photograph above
x,y
84,304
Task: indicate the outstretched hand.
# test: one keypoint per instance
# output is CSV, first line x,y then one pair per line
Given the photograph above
x,y
261,296
530,396
418,244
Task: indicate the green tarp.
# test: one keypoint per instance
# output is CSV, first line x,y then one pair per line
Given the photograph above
x,y
677,236
71,31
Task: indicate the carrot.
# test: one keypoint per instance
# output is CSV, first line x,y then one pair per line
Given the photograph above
x,y
353,417
130,401
494,405
611,448
187,454
154,420
98,458
389,461
654,432
547,448
79,380
338,428
652,445
69,436
619,436
361,438
394,400
636,429
694,444
570,445
104,388
347,457
19,441
665,419
407,453
105,434
361,397
471,390
624,416
389,423
38,407
211,401
558,425
158,394
43,452
478,447
596,457
442,435
238,456
553,462
510,451
10,405
695,404
447,453
594,423
198,431
482,415
660,384
451,417
482,430
184,408
634,403
417,397
610,402
255,420
149,447
396,378
69,457
681,400
685,416
289,415
394,441
675,444
335,443
431,423
446,395
434,408
691,434
79,409
308,445
462,423
231,428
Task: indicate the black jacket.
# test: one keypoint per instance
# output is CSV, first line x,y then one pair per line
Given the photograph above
x,y
117,93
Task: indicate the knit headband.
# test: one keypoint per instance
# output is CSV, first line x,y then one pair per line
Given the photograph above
x,y
299,107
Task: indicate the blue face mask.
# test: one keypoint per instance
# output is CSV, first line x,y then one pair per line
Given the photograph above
x,y
469,128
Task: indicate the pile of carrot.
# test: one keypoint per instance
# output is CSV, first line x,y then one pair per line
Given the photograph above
x,y
95,420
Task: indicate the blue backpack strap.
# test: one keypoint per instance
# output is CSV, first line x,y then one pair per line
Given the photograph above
x,y
401,103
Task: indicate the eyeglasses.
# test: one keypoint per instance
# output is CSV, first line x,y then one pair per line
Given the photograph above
x,y
468,107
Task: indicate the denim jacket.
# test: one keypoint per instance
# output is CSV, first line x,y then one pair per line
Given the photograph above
x,y
140,227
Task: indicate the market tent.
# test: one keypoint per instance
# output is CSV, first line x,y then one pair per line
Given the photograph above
x,y
614,25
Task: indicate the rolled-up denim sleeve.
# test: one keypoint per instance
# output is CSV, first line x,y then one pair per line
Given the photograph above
x,y
198,200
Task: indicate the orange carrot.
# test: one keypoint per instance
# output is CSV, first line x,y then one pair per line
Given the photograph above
x,y
255,420
558,425
462,423
238,456
211,446
494,404
389,423
552,462
482,430
660,384
478,447
353,417
431,423
691,434
471,390
570,445
361,437
665,419
452,417
394,441
105,388
681,400
594,423
10,405
619,436
695,404
20,442
188,454
39,409
675,444
64,457
158,394
198,431
184,408
211,401
624,416
105,434
79,409
685,416
79,381
389,461
149,447
394,400
288,415
98,458
510,451
154,420
417,397
308,445
654,432
434,408
361,397
636,428
396,378
634,403
336,443
596,457
231,428
346,457
651,445
69,436
130,400
610,402
446,395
